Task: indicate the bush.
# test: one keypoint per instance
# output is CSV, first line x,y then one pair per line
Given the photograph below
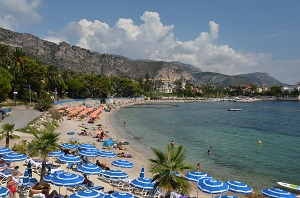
x,y
55,114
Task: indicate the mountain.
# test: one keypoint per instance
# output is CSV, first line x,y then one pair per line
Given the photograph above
x,y
86,61
217,79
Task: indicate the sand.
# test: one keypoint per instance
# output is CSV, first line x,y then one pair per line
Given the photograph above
x,y
138,160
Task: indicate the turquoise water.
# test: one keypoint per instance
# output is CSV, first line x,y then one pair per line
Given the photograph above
x,y
234,136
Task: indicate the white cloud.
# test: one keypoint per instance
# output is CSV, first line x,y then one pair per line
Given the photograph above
x,y
54,39
16,12
156,41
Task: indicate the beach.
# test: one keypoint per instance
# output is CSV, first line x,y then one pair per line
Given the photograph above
x,y
140,152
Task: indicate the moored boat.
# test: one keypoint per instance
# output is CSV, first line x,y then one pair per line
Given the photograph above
x,y
234,109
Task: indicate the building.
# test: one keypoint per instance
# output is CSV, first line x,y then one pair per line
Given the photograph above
x,y
163,85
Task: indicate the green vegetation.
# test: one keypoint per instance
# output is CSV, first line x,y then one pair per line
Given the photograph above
x,y
7,132
44,142
24,79
163,166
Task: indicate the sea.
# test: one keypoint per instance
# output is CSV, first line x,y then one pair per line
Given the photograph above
x,y
231,136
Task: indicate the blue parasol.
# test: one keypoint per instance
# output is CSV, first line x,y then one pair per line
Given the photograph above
x,y
143,183
14,157
87,146
142,173
212,186
88,153
89,169
115,174
239,187
4,192
69,146
123,195
122,163
55,153
66,179
194,176
5,151
68,158
275,192
87,193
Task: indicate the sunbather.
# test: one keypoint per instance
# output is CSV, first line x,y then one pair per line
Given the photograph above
x,y
125,155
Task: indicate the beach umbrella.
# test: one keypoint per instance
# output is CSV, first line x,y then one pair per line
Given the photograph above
x,y
123,195
5,151
239,187
142,173
68,158
69,146
143,183
87,146
29,169
115,174
87,193
212,186
122,163
4,192
108,142
89,169
47,178
276,192
88,153
55,153
66,179
194,176
25,178
227,196
14,157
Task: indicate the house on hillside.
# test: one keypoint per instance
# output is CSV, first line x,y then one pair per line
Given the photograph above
x,y
163,85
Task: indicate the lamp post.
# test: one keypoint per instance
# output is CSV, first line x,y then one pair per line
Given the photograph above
x,y
29,94
15,97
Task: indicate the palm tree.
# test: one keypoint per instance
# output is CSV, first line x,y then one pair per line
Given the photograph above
x,y
44,142
7,132
164,164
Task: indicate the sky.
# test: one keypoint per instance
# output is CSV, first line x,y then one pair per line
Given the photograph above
x,y
229,37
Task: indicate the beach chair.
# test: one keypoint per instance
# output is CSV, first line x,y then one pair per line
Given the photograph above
x,y
76,188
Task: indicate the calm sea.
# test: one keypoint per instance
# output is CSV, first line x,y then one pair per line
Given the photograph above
x,y
233,136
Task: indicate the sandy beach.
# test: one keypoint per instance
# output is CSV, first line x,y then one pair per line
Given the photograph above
x,y
135,149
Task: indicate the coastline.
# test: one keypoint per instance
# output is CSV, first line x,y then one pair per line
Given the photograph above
x,y
139,151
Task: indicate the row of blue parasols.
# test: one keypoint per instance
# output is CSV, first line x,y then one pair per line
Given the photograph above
x,y
204,182
210,185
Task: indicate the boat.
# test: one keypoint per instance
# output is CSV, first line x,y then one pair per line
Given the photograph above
x,y
291,186
234,109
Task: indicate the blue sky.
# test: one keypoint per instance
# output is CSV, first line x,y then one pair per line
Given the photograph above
x,y
229,37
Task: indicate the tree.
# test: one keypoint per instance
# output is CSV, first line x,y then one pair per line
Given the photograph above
x,y
44,142
7,133
5,83
162,168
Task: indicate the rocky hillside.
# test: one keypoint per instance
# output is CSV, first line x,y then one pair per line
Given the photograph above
x,y
86,61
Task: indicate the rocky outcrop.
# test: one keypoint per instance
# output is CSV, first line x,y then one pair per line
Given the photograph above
x,y
86,61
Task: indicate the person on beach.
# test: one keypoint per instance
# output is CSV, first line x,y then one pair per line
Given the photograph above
x,y
16,172
98,163
172,144
125,155
12,186
198,167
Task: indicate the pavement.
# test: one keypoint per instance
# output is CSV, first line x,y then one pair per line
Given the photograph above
x,y
21,117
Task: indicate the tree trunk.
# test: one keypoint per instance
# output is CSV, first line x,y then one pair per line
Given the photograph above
x,y
7,142
43,171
